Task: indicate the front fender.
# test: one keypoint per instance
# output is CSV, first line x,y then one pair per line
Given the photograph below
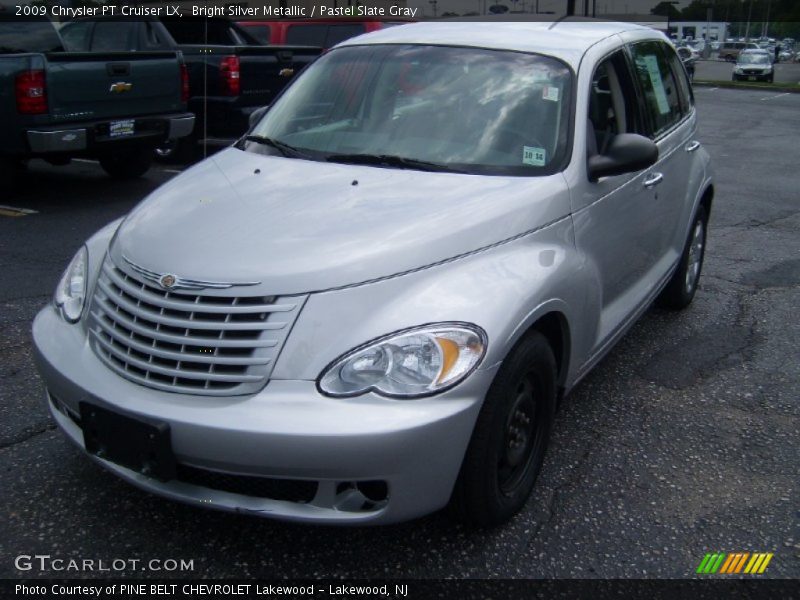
x,y
503,289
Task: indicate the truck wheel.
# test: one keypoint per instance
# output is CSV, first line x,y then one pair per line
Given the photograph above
x,y
127,165
508,444
682,286
10,171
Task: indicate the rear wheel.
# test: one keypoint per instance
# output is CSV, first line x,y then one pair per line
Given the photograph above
x,y
129,164
680,290
10,172
510,438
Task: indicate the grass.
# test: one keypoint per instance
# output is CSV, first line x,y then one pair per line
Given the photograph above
x,y
753,85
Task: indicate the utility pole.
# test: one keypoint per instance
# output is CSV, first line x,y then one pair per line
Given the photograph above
x,y
747,29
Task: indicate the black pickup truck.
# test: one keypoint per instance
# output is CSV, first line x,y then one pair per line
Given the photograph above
x,y
230,73
58,105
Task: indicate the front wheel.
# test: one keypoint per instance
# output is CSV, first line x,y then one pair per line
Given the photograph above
x,y
508,444
127,165
680,290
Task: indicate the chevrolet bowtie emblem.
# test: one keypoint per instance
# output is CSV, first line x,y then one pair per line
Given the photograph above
x,y
120,87
286,72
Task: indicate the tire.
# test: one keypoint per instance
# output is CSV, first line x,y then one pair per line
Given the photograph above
x,y
128,165
681,288
510,438
10,172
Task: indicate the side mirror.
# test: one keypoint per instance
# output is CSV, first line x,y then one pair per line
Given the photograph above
x,y
256,115
628,152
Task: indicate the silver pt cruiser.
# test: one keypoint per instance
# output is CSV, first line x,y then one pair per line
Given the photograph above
x,y
369,306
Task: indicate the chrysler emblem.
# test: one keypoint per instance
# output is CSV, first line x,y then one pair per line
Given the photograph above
x,y
168,281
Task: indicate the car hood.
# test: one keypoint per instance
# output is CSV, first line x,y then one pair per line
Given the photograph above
x,y
299,226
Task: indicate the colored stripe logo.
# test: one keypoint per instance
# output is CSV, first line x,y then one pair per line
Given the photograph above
x,y
734,562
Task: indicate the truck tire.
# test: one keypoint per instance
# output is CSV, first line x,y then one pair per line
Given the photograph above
x,y
10,171
129,164
510,438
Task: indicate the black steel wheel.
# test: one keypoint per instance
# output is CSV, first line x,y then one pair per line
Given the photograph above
x,y
510,438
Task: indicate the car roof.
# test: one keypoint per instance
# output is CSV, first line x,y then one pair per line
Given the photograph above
x,y
565,39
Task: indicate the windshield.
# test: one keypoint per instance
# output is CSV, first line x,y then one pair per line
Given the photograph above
x,y
462,109
754,59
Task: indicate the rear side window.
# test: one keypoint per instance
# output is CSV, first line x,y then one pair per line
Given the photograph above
x,y
685,88
306,35
261,32
661,97
114,36
76,36
18,36
340,33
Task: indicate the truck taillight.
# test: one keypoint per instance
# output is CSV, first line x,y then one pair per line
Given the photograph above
x,y
184,84
30,88
229,70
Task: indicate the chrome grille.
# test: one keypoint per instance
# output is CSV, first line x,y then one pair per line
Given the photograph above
x,y
187,342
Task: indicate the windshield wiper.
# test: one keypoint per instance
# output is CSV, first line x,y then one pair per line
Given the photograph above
x,y
281,147
390,160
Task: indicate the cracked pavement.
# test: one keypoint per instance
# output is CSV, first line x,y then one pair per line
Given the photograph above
x,y
684,440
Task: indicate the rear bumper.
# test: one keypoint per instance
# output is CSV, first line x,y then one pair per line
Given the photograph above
x,y
286,433
81,137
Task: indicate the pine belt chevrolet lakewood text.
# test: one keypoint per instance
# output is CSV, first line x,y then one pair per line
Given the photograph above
x,y
368,307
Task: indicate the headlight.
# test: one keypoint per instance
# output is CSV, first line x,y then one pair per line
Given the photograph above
x,y
408,364
71,291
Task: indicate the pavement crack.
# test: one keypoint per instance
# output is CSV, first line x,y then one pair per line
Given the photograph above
x,y
27,435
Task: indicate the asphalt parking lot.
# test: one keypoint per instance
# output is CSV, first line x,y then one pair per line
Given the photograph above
x,y
684,440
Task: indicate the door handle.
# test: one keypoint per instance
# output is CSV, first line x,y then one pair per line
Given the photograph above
x,y
653,179
692,146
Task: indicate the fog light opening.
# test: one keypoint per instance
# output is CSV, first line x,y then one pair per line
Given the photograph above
x,y
361,496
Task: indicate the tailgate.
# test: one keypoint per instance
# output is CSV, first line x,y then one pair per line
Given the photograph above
x,y
120,84
265,71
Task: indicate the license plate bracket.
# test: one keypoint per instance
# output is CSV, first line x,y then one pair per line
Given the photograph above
x,y
138,444
122,128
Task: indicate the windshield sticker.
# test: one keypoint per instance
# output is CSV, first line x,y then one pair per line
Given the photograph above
x,y
551,93
651,63
531,155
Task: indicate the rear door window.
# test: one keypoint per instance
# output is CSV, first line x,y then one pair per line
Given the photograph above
x,y
340,33
306,35
114,36
662,101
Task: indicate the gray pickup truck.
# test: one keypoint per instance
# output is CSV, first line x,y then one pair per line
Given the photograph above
x,y
230,73
56,105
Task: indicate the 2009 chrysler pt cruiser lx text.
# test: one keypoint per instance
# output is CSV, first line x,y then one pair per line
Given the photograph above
x,y
368,307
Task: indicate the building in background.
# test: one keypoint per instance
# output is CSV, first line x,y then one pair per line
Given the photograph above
x,y
699,30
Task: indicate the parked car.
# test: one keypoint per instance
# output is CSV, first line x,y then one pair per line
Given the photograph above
x,y
230,73
730,50
58,105
324,33
689,56
754,65
369,307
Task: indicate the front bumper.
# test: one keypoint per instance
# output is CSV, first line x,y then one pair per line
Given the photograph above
x,y
288,431
78,137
